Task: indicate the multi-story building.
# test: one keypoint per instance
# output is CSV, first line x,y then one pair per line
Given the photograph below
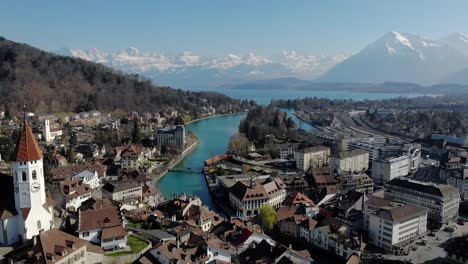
x,y
55,246
103,226
350,161
391,224
441,200
459,180
248,197
122,191
312,157
129,156
75,193
89,177
385,169
359,182
50,133
171,136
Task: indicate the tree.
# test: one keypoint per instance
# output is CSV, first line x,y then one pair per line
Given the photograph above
x,y
268,217
136,133
7,111
239,144
6,148
179,121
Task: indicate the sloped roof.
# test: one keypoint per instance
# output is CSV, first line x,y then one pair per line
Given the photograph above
x,y
27,148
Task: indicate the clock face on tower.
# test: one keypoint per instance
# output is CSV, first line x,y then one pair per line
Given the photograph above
x,y
35,187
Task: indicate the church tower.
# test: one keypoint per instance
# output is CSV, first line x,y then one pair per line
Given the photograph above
x,y
46,130
34,215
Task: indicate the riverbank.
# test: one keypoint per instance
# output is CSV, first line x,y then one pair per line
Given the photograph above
x,y
187,151
309,122
214,116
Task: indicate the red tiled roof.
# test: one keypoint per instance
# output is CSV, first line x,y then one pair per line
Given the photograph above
x,y
27,148
113,232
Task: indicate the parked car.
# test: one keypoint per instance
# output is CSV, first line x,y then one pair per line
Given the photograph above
x,y
461,222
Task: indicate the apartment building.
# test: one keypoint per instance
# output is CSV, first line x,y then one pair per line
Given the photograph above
x,y
350,161
441,200
391,225
312,157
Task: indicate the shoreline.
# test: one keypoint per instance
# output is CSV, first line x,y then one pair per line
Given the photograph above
x,y
309,122
176,161
214,116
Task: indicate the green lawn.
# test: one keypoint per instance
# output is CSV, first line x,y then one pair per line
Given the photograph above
x,y
135,244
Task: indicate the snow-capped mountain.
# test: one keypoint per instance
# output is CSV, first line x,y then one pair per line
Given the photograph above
x,y
189,70
458,41
399,57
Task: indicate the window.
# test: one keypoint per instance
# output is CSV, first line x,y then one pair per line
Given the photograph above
x,y
38,225
24,176
34,175
85,234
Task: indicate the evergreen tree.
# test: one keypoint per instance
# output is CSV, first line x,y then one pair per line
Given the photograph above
x,y
136,134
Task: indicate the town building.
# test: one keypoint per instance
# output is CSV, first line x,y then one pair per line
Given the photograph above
x,y
385,169
89,177
50,133
171,136
324,177
122,191
103,225
247,197
441,200
459,180
359,182
192,248
311,157
460,141
350,161
285,150
129,156
75,193
391,224
55,246
25,210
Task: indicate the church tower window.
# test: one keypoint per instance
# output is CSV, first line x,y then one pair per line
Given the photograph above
x,y
24,176
34,175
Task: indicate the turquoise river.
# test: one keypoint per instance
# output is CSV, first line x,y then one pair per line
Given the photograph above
x,y
214,134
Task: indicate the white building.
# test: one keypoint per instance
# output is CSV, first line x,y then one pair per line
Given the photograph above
x,y
48,133
75,193
122,191
441,200
89,177
24,210
248,197
391,224
103,225
311,157
350,161
388,168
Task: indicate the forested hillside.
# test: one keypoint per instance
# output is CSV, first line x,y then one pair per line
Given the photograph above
x,y
46,82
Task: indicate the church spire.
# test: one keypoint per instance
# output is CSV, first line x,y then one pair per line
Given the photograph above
x,y
27,148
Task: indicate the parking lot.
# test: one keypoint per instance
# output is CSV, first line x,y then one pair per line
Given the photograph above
x,y
429,249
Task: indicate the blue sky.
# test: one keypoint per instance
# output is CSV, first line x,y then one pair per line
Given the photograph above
x,y
218,27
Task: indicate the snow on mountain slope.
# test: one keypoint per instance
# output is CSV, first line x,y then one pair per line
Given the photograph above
x,y
399,57
188,69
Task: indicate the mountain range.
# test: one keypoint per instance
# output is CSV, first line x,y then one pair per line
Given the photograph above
x,y
189,70
394,57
